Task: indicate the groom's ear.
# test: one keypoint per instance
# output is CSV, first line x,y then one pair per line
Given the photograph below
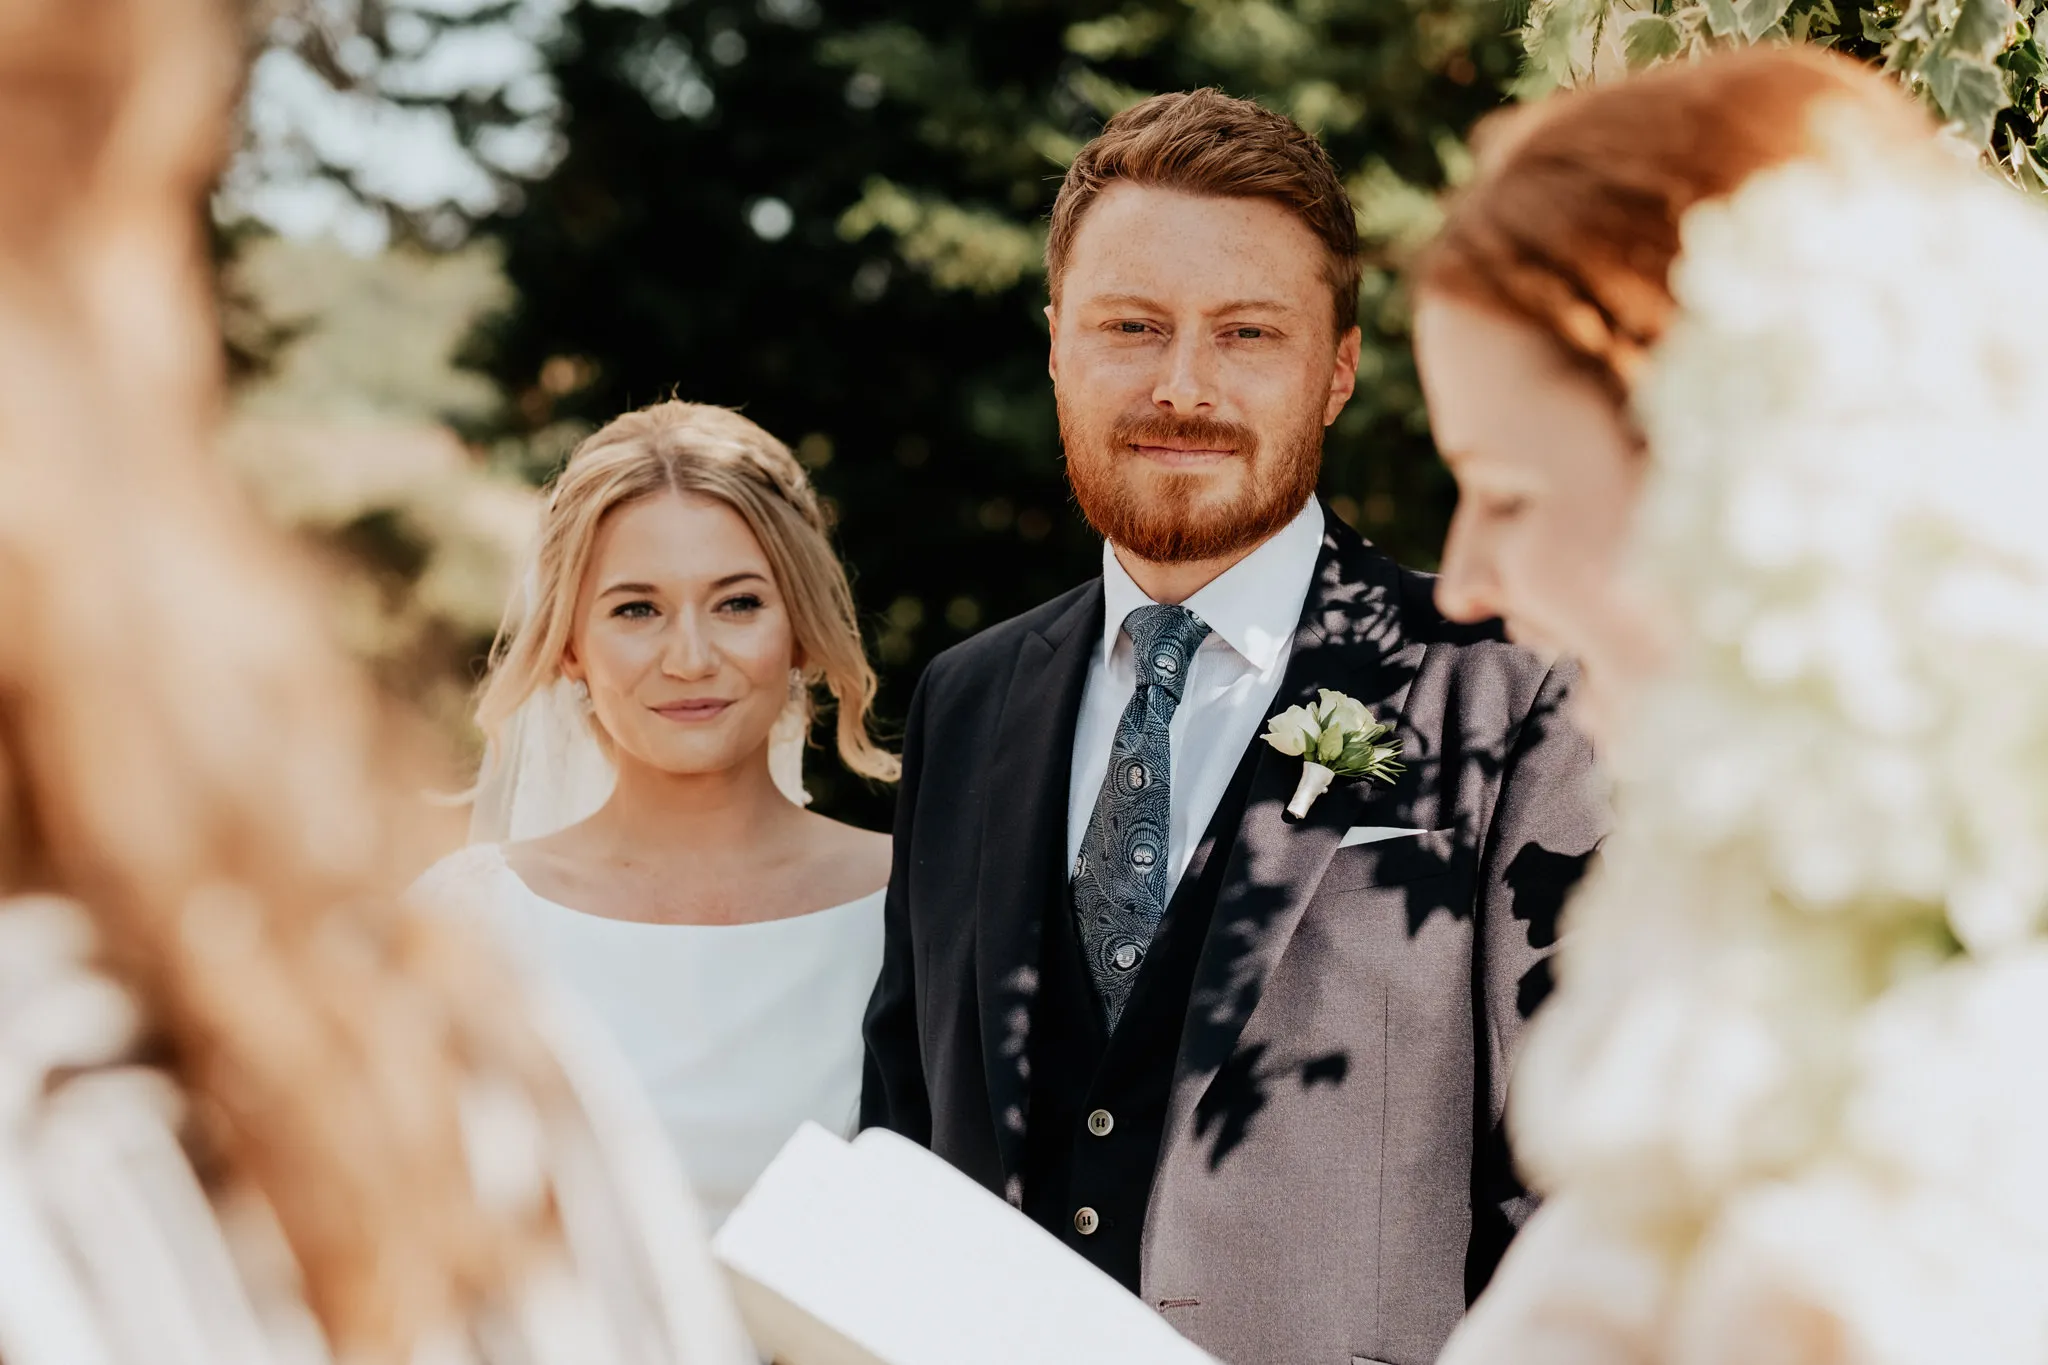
x,y
1343,374
1052,342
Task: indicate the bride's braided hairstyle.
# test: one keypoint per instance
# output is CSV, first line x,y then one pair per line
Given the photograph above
x,y
712,452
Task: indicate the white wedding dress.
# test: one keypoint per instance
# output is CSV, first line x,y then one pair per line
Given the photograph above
x,y
738,1033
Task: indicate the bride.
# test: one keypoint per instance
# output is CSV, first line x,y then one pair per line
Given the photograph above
x,y
1735,364
640,817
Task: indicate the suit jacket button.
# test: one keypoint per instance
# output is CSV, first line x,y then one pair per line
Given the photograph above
x,y
1100,1122
1086,1221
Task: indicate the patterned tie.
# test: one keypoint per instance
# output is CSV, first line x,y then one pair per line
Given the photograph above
x,y
1120,880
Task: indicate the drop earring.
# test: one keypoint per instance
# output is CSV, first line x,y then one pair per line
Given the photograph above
x,y
796,685
581,691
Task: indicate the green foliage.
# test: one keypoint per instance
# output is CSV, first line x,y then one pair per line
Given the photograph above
x,y
1652,39
1978,63
346,337
831,215
375,119
957,248
341,431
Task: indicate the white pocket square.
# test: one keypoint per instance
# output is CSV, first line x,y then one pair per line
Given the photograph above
x,y
1373,834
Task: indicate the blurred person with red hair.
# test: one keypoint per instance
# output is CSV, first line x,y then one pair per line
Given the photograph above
x,y
1735,365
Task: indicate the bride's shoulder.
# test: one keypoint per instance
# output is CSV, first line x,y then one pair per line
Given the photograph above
x,y
462,880
857,859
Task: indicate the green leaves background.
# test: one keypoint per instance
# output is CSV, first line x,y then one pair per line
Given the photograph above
x,y
1978,63
830,213
891,330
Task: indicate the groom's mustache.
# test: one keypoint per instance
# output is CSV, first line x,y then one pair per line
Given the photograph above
x,y
1183,433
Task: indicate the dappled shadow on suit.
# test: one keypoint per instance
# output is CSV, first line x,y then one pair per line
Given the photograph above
x,y
1330,1180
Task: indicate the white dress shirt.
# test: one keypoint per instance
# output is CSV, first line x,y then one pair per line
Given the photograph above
x,y
1252,612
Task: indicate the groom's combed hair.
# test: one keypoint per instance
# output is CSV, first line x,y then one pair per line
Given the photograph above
x,y
1205,142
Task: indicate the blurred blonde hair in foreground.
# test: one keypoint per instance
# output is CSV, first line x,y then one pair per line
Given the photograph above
x,y
183,750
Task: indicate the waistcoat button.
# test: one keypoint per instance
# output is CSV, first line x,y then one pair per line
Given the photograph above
x,y
1100,1122
1086,1221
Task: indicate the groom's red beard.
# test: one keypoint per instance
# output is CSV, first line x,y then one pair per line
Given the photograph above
x,y
1166,519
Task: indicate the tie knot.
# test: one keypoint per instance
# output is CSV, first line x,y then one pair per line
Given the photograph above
x,y
1164,639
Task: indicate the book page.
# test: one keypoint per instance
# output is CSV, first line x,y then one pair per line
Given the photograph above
x,y
876,1252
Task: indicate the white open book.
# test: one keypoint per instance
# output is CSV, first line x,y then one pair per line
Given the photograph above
x,y
876,1252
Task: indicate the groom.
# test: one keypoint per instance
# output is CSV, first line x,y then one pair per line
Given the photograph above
x,y
1252,1066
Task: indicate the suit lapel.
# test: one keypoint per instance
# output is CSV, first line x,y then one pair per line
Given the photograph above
x,y
1349,640
1023,841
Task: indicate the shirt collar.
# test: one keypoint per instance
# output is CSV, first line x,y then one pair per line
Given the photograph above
x,y
1254,607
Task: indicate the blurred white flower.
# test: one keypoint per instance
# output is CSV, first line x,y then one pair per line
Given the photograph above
x,y
1572,1290
1840,1267
1950,1084
1691,1044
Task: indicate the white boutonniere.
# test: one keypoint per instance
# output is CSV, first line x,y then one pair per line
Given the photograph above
x,y
1337,737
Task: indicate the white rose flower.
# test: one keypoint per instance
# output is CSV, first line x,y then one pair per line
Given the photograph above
x,y
1342,712
1294,730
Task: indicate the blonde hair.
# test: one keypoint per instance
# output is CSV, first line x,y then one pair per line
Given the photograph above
x,y
183,749
713,452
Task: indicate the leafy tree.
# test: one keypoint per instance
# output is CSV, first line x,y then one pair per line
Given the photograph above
x,y
367,121
372,119
831,216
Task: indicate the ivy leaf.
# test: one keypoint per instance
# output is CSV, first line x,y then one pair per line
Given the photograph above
x,y
1980,94
1759,17
1874,30
1721,19
1916,25
1650,40
1547,52
1982,26
1940,75
1968,91
2023,59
